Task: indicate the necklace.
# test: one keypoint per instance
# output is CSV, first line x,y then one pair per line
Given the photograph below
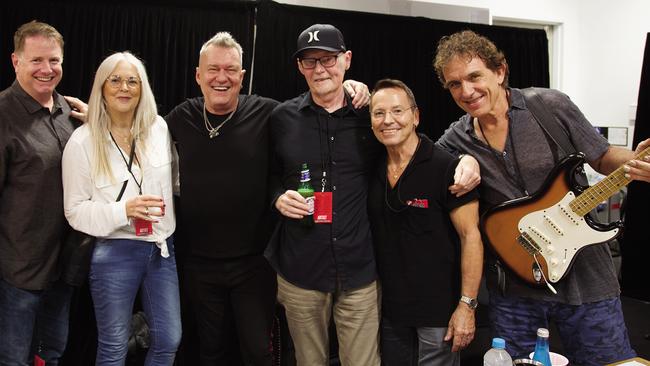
x,y
125,139
397,171
214,131
480,127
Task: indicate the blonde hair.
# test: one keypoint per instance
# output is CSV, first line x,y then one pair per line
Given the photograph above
x,y
223,40
99,120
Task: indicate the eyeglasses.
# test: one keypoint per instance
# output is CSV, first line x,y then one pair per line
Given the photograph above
x,y
396,112
116,82
325,61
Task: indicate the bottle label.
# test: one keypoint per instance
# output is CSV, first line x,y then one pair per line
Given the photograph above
x,y
304,176
310,203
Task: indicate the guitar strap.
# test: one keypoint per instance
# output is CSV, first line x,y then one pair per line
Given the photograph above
x,y
552,128
547,121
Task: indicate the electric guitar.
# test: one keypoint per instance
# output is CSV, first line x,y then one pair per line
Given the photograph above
x,y
538,236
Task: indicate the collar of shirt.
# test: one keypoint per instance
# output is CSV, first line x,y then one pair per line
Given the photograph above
x,y
30,104
308,101
423,153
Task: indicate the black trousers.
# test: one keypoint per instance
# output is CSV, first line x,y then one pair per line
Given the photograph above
x,y
232,300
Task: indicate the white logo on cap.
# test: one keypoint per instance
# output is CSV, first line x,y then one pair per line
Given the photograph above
x,y
313,36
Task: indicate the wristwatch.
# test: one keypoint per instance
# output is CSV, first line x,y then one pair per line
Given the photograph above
x,y
472,303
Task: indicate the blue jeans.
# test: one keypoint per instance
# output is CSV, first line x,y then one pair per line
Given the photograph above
x,y
415,346
33,322
591,333
118,269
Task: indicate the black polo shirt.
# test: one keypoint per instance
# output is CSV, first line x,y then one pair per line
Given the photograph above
x,y
32,223
416,245
326,256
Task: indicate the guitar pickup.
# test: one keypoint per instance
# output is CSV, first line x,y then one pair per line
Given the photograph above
x,y
539,234
553,225
568,213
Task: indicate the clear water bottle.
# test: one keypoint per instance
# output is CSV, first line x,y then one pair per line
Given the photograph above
x,y
541,347
497,355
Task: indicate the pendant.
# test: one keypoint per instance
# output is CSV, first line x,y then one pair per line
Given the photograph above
x,y
214,133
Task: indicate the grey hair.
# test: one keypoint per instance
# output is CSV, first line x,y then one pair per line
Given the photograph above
x,y
224,40
99,120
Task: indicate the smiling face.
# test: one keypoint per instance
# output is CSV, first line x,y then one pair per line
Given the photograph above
x,y
325,81
122,97
39,67
220,76
393,117
475,88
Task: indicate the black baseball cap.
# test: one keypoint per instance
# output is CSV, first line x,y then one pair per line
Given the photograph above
x,y
320,36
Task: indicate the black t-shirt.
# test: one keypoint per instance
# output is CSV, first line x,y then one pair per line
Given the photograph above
x,y
224,206
416,245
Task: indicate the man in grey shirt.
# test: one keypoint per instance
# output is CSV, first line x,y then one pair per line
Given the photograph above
x,y
516,156
35,125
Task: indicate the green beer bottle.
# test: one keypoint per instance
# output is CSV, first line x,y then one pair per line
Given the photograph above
x,y
307,191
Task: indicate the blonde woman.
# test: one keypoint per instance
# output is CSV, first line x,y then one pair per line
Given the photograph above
x,y
117,180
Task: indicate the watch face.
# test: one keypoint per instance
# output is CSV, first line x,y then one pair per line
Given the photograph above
x,y
472,303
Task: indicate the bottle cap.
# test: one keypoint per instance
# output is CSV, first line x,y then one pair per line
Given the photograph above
x,y
542,332
498,343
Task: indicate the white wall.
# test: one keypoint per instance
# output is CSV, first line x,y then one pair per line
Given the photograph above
x,y
601,45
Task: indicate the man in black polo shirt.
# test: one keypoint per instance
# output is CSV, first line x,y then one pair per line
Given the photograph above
x,y
427,242
35,125
325,267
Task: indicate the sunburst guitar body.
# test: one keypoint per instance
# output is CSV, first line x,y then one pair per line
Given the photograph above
x,y
538,237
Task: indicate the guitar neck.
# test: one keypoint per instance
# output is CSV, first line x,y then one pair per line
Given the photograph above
x,y
592,196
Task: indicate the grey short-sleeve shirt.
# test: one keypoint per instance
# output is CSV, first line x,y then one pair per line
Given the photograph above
x,y
522,167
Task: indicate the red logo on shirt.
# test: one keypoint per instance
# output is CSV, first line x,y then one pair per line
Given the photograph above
x,y
418,202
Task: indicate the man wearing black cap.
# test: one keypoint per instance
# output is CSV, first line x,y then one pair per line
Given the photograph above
x,y
328,266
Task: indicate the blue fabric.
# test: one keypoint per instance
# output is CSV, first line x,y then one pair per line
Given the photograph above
x,y
591,333
33,322
411,346
118,269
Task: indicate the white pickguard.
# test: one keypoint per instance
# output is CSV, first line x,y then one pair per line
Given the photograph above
x,y
560,234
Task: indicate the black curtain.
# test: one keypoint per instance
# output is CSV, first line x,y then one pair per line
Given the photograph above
x,y
387,46
634,246
167,36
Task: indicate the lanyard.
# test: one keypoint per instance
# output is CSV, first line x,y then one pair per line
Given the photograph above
x,y
129,164
325,154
